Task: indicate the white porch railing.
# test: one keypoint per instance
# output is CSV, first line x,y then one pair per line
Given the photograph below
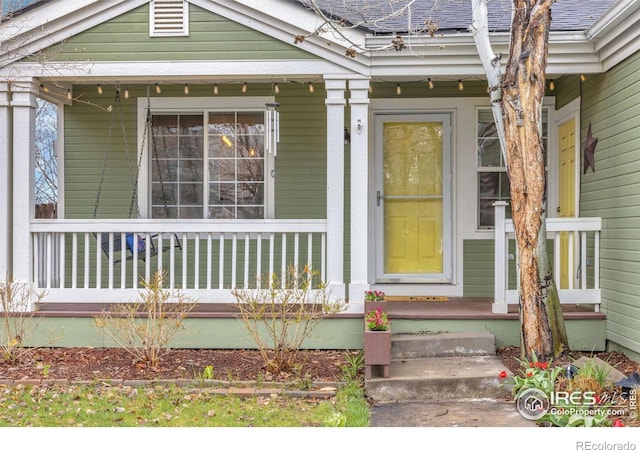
x,y
107,259
583,247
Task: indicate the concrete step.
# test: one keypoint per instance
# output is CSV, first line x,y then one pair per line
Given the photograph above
x,y
449,413
440,378
442,344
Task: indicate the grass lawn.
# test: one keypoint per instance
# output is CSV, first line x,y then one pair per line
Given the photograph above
x,y
170,406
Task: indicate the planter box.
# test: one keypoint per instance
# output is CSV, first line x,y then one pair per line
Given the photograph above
x,y
372,306
377,351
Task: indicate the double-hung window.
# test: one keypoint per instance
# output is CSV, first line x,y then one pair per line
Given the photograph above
x,y
492,179
209,163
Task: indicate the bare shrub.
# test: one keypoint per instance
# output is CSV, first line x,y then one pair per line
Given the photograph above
x,y
17,302
280,317
146,328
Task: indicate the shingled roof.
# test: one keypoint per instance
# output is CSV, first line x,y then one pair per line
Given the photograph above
x,y
452,16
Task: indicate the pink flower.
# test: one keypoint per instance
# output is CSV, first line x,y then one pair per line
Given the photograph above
x,y
618,423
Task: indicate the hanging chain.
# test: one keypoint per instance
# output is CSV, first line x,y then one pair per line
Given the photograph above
x,y
116,104
147,124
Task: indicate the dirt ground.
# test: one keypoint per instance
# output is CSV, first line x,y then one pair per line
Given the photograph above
x,y
86,364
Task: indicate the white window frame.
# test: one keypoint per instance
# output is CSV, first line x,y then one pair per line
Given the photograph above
x,y
199,105
551,169
181,14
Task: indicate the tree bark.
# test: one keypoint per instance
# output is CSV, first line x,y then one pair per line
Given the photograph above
x,y
522,93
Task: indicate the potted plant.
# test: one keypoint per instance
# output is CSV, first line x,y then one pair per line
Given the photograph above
x,y
377,342
374,300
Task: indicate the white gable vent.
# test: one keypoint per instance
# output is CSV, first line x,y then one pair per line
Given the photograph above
x,y
169,18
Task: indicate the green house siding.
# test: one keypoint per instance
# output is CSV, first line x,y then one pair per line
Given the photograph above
x,y
211,37
567,89
299,176
611,103
300,172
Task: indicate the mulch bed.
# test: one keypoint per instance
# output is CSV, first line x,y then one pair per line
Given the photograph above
x,y
88,364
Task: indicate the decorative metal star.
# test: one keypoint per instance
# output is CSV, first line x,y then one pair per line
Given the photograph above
x,y
589,151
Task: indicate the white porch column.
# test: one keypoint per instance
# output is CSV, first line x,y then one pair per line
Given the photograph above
x,y
360,257
335,102
24,127
500,260
5,183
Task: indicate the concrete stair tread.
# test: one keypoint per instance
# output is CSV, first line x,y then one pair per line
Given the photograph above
x,y
442,366
449,413
449,367
442,344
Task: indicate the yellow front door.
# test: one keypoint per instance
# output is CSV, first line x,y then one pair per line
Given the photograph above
x,y
566,200
413,199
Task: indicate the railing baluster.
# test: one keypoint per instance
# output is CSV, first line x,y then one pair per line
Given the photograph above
x,y
135,260
196,264
234,259
123,260
259,260
221,263
111,251
147,257
310,256
99,262
283,273
160,252
556,258
36,259
583,260
74,260
570,259
296,250
87,262
49,260
246,260
172,260
272,245
185,247
323,257
62,252
596,260
209,255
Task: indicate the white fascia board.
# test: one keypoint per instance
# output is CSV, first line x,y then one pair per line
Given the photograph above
x,y
610,21
287,14
186,70
283,21
457,56
621,42
62,24
41,16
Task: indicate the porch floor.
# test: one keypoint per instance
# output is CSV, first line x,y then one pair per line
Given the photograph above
x,y
470,308
461,308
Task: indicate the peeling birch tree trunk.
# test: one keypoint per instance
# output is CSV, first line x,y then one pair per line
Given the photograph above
x,y
516,105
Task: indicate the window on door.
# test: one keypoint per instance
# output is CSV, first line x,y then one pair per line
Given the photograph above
x,y
210,165
492,179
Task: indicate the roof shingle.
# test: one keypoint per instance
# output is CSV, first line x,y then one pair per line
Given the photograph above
x,y
452,16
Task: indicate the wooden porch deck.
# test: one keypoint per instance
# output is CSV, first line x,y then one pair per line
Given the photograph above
x,y
457,308
478,308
